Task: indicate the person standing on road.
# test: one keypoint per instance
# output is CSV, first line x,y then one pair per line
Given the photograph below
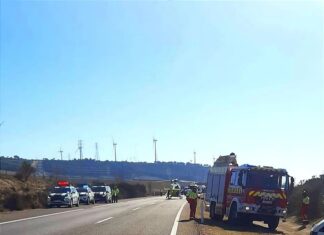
x,y
192,200
115,193
305,205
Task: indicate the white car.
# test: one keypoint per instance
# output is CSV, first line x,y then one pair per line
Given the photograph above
x,y
318,229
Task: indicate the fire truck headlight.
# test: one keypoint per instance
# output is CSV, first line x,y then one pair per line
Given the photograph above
x,y
247,208
284,211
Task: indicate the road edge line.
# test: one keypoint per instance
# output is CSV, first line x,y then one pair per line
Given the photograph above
x,y
100,221
176,220
37,217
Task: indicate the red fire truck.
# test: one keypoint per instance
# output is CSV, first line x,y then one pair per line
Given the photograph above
x,y
247,193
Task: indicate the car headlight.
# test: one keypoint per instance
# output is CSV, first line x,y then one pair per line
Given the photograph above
x,y
67,199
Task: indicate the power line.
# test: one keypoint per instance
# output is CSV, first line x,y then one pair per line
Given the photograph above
x,y
115,150
97,152
61,152
155,154
80,148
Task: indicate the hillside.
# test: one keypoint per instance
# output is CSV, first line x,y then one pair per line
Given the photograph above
x,y
90,168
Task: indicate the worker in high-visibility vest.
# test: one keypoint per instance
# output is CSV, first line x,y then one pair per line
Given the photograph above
x,y
305,205
115,193
192,200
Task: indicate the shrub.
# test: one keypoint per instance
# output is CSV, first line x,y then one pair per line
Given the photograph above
x,y
315,189
25,171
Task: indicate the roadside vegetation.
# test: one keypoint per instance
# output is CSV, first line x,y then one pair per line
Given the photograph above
x,y
16,194
26,191
315,189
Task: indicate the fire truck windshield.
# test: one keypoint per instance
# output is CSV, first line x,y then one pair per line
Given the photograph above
x,y
264,180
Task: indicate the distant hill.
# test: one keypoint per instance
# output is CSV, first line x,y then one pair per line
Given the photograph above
x,y
89,168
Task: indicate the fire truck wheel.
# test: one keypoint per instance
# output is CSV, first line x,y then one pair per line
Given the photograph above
x,y
232,218
273,223
245,221
212,210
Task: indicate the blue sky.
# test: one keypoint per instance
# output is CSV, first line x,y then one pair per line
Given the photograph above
x,y
215,77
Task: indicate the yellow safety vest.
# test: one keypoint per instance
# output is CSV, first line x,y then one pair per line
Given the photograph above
x,y
192,195
306,200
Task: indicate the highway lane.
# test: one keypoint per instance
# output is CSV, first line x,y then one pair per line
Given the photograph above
x,y
154,215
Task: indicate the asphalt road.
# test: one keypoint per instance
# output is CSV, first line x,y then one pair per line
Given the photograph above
x,y
153,215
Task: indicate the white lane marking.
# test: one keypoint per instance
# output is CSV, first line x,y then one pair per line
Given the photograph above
x,y
136,208
101,206
153,203
100,221
40,216
176,220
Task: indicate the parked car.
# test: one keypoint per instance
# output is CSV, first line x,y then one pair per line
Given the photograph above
x,y
102,193
63,195
318,229
86,195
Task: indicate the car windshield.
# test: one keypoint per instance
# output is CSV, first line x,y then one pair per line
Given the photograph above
x,y
60,190
81,190
99,189
264,180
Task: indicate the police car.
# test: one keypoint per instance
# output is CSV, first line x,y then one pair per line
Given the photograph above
x,y
63,194
86,195
102,193
318,229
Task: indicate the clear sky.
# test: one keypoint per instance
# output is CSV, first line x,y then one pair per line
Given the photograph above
x,y
214,77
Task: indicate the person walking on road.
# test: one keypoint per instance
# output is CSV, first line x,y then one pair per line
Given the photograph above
x,y
192,200
115,193
304,207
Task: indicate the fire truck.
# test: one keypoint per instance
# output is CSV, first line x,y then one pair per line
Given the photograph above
x,y
247,193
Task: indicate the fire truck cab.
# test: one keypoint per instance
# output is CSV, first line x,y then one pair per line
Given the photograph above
x,y
247,193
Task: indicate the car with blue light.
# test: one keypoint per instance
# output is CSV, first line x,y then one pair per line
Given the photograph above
x,y
102,193
86,195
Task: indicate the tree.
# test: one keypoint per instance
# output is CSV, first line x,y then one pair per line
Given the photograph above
x,y
25,171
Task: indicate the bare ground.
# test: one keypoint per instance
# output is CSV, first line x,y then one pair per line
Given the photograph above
x,y
211,227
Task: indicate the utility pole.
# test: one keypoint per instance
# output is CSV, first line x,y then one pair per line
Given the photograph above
x,y
155,156
115,150
194,157
97,152
80,148
61,152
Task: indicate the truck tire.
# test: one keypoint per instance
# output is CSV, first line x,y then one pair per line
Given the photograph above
x,y
273,223
233,216
212,210
212,213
